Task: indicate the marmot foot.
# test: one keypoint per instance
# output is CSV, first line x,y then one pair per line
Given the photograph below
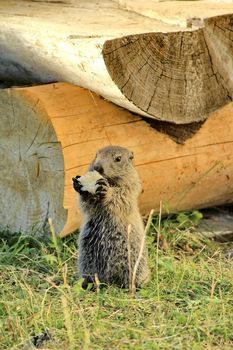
x,y
77,184
89,280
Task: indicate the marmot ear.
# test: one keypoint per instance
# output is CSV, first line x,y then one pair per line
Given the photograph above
x,y
131,156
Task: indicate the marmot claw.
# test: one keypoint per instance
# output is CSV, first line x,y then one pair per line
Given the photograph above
x,y
77,184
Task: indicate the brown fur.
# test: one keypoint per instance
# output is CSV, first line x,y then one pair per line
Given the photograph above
x,y
103,246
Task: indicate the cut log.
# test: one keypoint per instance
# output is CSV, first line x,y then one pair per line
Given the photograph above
x,y
50,133
156,66
217,223
179,77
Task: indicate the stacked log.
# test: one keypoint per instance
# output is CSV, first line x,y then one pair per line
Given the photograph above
x,y
166,60
50,133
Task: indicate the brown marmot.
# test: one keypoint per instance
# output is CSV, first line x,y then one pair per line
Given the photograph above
x,y
109,207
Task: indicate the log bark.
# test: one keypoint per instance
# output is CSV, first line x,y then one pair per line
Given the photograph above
x,y
50,133
179,13
156,66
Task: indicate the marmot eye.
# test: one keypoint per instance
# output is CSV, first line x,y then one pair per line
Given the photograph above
x,y
118,159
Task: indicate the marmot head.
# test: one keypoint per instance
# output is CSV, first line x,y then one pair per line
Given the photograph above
x,y
115,163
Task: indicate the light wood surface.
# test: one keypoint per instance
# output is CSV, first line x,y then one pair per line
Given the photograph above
x,y
50,133
166,60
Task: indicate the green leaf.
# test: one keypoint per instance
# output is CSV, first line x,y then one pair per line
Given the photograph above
x,y
51,259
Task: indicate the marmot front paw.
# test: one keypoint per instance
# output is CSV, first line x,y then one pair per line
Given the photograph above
x,y
77,184
102,186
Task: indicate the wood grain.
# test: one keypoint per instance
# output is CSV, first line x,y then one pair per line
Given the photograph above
x,y
31,169
74,124
178,77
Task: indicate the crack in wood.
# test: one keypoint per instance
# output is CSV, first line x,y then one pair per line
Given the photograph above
x,y
212,65
77,166
34,138
81,142
168,159
215,144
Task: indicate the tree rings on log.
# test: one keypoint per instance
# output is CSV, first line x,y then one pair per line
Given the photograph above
x,y
178,77
31,169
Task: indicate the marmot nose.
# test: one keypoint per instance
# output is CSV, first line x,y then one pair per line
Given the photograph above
x,y
99,168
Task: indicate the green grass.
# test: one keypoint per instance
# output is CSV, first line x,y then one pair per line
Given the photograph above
x,y
188,303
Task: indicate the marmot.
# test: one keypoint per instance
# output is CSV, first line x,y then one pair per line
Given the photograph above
x,y
109,208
